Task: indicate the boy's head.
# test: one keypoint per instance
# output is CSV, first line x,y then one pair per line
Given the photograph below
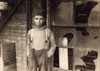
x,y
38,20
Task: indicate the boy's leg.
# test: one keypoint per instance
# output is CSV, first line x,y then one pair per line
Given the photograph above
x,y
32,65
45,63
49,64
42,61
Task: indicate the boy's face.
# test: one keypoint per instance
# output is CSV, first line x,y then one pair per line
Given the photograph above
x,y
38,20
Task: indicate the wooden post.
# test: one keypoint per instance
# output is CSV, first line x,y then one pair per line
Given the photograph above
x,y
48,13
29,14
63,58
48,24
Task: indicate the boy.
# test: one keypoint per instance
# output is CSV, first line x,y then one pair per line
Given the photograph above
x,y
40,44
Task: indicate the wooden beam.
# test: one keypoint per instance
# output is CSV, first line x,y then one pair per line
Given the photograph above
x,y
10,13
29,14
71,0
48,13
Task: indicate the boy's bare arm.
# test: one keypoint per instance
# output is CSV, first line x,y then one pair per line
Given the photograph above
x,y
28,42
53,44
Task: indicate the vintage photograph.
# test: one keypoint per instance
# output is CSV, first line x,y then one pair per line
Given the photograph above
x,y
49,35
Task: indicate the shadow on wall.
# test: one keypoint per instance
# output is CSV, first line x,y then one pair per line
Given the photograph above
x,y
83,11
89,61
69,36
83,31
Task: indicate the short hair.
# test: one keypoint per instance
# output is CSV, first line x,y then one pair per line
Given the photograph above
x,y
40,13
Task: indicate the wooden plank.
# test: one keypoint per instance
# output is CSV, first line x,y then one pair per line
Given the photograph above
x,y
63,58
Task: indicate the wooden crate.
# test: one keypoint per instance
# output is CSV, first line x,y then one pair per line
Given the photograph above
x,y
7,57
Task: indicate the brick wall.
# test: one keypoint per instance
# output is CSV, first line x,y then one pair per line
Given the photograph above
x,y
15,31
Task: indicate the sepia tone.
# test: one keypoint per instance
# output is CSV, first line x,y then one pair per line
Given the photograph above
x,y
75,20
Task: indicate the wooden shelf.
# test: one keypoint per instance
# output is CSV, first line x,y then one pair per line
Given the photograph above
x,y
77,25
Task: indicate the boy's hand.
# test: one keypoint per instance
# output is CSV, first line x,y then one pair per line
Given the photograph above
x,y
49,54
